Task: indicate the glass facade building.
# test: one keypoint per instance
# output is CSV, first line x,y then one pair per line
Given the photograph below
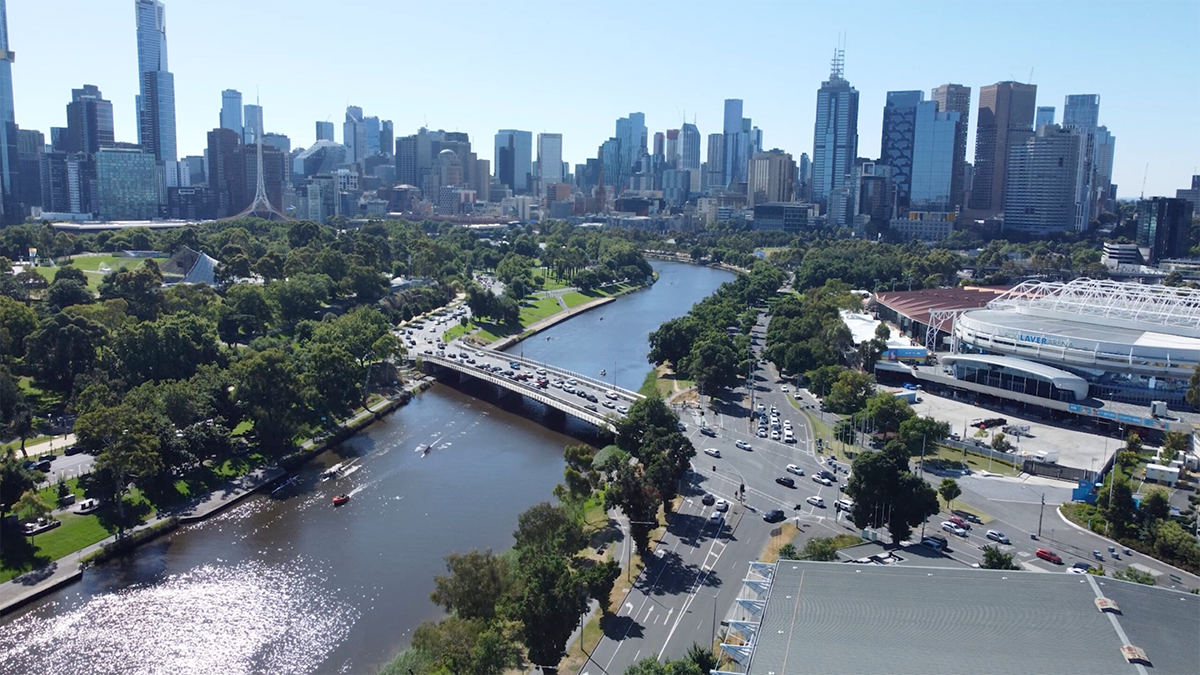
x,y
127,182
899,137
931,178
156,85
514,160
10,209
835,136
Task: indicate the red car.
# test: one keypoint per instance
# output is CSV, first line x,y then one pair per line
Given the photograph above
x,y
960,522
1048,555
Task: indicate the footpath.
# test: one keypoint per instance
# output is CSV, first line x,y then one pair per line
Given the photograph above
x,y
34,584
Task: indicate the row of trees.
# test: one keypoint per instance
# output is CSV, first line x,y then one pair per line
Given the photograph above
x,y
701,345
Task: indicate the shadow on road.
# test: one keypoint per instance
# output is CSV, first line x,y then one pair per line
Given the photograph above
x,y
620,627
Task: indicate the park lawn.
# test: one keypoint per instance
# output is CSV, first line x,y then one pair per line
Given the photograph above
x,y
532,312
575,298
91,266
42,398
49,494
242,428
16,445
76,532
975,462
550,283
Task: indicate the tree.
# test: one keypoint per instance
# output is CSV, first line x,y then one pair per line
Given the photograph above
x,y
267,387
1000,443
31,506
332,380
356,332
949,491
712,364
673,340
822,549
1154,508
703,657
849,394
886,411
15,480
63,347
1116,501
995,559
548,528
67,292
549,603
70,272
821,380
476,583
788,552
17,322
140,288
638,500
600,579
1136,576
917,433
1174,445
885,493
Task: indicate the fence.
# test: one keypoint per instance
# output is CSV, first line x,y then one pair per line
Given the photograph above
x,y
1067,473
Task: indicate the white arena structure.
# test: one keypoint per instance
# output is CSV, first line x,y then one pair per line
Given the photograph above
x,y
1130,342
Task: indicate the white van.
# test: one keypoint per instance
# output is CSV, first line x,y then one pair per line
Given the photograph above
x,y
844,504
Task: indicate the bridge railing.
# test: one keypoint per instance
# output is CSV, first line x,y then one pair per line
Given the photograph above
x,y
568,407
599,384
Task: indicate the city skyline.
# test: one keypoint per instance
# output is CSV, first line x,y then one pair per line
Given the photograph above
x,y
782,100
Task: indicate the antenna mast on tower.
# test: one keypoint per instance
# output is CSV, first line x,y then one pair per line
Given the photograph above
x,y
261,206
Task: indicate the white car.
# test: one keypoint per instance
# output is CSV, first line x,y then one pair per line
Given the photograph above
x,y
557,384
818,478
715,517
540,371
762,433
612,395
953,529
775,435
572,382
609,404
816,501
722,505
742,445
713,452
784,389
787,425
622,409
792,468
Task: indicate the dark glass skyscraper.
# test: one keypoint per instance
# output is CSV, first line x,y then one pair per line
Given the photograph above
x,y
1004,122
156,84
835,136
899,137
9,156
955,98
89,121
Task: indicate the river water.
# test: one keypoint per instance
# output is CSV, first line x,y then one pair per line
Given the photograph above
x,y
285,583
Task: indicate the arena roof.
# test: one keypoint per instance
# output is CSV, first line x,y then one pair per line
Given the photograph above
x,y
916,305
1067,327
1175,310
845,618
1059,378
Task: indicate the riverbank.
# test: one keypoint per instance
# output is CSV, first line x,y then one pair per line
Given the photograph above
x,y
68,569
539,326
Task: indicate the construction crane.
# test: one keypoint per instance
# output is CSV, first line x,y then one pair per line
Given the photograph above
x,y
1144,175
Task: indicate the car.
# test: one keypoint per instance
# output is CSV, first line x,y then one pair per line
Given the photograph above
x,y
44,466
722,505
775,435
953,529
844,504
996,535
708,432
792,468
1079,568
816,501
788,437
514,365
623,410
817,478
557,384
572,382
713,452
568,388
715,517
787,425
934,543
742,445
773,516
708,500
959,522
681,426
581,393
592,398
762,432
609,404
611,395
540,371
785,481
1048,555
591,407
784,389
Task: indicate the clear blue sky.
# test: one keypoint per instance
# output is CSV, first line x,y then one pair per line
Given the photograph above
x,y
574,67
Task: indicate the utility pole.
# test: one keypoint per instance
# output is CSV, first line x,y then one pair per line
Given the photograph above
x,y
1040,512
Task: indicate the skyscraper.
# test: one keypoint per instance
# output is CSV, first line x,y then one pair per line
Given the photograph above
x,y
931,175
957,99
127,183
252,127
1081,115
226,171
354,135
631,133
156,101
549,150
1005,121
1039,197
89,121
771,177
387,135
1164,225
231,111
671,151
899,138
514,159
715,176
735,145
835,136
1106,148
10,211
1044,116
689,153
324,131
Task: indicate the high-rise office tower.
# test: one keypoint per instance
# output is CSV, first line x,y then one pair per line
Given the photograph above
x,y
354,135
714,178
804,177
127,184
549,151
1106,148
689,153
371,124
835,134
631,133
10,211
957,99
1005,121
1192,195
931,176
671,151
899,139
1164,226
1081,115
1044,116
735,145
324,131
226,171
660,142
771,177
1039,197
252,127
231,111
89,121
387,135
514,159
156,100
31,144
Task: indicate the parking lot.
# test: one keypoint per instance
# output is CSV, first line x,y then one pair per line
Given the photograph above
x,y
1075,448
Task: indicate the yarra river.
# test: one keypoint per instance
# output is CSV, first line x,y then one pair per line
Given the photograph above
x,y
286,584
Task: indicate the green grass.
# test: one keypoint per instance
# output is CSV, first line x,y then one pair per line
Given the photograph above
x,y
551,284
76,532
649,384
536,310
32,440
974,461
49,494
575,298
90,264
41,398
242,428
